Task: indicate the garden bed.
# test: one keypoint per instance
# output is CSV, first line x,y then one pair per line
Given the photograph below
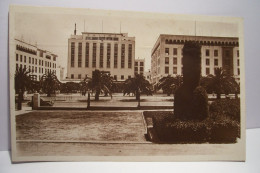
x,y
165,128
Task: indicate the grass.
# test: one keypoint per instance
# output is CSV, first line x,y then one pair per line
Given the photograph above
x,y
80,125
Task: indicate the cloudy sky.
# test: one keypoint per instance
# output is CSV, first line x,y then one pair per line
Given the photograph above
x,y
50,28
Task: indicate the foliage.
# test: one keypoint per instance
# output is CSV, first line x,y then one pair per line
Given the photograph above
x,y
170,129
22,81
84,86
169,84
220,83
100,82
49,83
137,85
69,87
226,107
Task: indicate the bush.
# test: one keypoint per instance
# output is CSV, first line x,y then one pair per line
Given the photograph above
x,y
226,107
169,129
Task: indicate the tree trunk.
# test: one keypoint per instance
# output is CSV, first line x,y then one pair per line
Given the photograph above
x,y
137,95
218,96
97,95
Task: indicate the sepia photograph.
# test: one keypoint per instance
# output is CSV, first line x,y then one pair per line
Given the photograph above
x,y
102,85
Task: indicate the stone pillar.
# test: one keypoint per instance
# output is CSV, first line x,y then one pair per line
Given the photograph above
x,y
191,100
36,101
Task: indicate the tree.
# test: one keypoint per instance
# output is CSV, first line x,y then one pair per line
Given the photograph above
x,y
221,83
49,83
100,82
137,85
22,81
169,84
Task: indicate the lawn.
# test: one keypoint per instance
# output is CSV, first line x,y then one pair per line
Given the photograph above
x,y
80,126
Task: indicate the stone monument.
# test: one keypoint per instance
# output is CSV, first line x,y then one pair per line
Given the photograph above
x,y
191,100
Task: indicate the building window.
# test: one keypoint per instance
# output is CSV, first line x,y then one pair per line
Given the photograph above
x,y
123,56
129,76
21,58
207,71
166,60
141,69
87,55
174,51
167,51
79,76
136,69
29,69
94,54
24,67
122,77
115,55
238,71
207,52
108,55
24,58
35,61
166,70
35,69
72,54
175,61
136,63
115,77
237,53
215,53
41,53
207,61
101,61
174,70
29,60
216,62
72,76
17,67
130,56
17,57
80,55
32,60
141,63
238,64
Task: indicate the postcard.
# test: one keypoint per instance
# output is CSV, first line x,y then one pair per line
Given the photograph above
x,y
103,85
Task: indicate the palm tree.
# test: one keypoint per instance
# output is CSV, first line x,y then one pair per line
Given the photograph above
x,y
22,81
221,83
49,83
169,84
101,82
137,85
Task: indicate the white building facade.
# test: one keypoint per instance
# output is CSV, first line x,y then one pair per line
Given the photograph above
x,y
166,55
113,53
34,59
139,66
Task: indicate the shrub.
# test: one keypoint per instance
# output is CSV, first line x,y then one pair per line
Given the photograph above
x,y
169,129
226,107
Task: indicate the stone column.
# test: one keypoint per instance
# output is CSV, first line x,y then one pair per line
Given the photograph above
x,y
36,101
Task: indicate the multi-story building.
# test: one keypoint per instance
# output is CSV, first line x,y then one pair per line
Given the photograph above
x,y
147,75
139,66
166,55
34,59
113,53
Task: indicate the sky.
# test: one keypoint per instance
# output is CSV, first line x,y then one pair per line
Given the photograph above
x,y
50,28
